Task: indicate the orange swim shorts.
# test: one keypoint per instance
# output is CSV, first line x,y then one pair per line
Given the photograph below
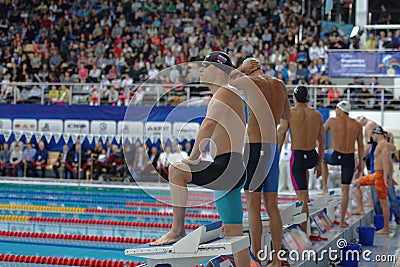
x,y
376,180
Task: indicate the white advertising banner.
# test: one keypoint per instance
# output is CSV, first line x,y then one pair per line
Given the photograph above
x,y
103,127
25,125
130,128
5,124
158,130
185,130
76,126
52,126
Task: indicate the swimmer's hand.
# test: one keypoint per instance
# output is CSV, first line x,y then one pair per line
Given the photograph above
x,y
250,67
318,171
191,161
394,182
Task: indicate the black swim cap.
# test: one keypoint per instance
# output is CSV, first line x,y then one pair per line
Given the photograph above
x,y
222,60
378,130
301,94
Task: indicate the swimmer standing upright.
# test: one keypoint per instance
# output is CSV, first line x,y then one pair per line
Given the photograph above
x,y
306,130
267,103
381,178
345,132
224,128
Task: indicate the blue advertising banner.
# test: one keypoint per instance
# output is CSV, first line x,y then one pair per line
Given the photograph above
x,y
364,64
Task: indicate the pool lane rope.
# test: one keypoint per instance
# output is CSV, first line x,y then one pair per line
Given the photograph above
x,y
43,209
76,237
95,222
67,261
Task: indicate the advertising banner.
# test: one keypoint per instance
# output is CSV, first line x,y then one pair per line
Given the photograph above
x,y
364,64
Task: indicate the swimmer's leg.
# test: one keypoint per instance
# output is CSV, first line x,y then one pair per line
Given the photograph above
x,y
179,176
271,204
325,173
344,205
230,209
386,214
255,224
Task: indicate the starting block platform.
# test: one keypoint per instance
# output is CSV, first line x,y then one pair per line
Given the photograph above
x,y
203,243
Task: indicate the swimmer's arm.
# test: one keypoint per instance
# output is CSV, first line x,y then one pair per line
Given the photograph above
x,y
282,129
360,144
386,165
286,108
327,125
206,130
321,142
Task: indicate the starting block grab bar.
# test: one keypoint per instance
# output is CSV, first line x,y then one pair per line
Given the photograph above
x,y
203,243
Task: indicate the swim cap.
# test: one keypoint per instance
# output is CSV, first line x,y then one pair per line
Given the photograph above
x,y
378,130
360,118
222,60
344,106
301,93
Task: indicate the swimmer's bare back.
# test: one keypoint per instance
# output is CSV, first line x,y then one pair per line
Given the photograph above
x,y
271,97
345,132
305,126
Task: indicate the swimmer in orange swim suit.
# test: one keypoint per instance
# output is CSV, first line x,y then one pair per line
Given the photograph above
x,y
380,179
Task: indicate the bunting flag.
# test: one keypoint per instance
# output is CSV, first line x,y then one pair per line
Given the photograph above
x,y
57,137
82,137
66,136
74,137
28,136
17,135
6,134
38,136
90,138
48,136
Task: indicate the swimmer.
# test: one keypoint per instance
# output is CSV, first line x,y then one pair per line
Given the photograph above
x,y
345,132
306,130
381,178
224,128
267,104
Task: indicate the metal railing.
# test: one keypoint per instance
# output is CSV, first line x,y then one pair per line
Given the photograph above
x,y
379,97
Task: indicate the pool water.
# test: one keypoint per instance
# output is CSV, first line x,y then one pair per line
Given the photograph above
x,y
83,217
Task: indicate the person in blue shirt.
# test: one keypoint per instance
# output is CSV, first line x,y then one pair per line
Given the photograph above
x,y
29,157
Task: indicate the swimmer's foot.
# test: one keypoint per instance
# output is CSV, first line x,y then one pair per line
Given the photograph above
x,y
359,212
369,204
169,238
344,225
324,192
383,231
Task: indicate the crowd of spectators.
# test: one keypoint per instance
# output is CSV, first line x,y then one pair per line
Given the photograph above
x,y
98,162
116,44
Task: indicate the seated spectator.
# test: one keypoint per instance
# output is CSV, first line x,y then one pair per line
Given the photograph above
x,y
16,160
301,73
54,94
138,96
94,74
112,95
164,161
64,94
5,160
35,93
61,162
333,95
74,157
371,43
42,155
29,158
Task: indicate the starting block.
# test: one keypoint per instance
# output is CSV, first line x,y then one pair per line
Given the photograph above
x,y
328,201
203,243
290,214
